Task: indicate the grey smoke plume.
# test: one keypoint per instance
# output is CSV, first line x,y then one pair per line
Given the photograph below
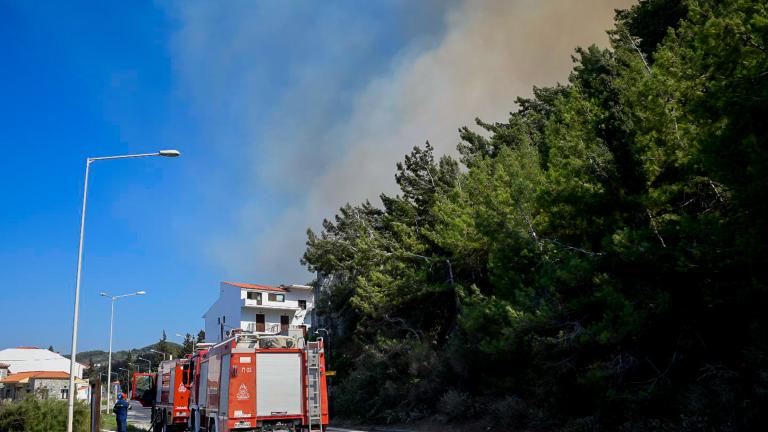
x,y
490,53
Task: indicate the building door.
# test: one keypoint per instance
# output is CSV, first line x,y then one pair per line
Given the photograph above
x,y
284,321
259,322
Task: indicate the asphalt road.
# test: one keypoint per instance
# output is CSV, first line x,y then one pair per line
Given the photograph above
x,y
139,416
335,429
339,429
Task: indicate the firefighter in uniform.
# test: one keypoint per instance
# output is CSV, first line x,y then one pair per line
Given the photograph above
x,y
121,413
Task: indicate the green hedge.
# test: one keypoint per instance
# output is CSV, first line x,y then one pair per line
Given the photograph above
x,y
34,415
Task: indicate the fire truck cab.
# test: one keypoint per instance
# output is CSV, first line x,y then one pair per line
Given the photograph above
x,y
257,382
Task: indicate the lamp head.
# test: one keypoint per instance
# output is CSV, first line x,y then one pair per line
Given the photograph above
x,y
169,153
140,292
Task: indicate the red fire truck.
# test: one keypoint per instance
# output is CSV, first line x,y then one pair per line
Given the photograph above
x,y
249,382
167,392
257,382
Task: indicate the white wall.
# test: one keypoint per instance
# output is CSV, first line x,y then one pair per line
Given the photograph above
x,y
240,311
291,299
270,316
226,306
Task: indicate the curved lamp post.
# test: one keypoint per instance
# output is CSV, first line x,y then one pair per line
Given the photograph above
x,y
88,162
127,377
149,363
111,324
159,352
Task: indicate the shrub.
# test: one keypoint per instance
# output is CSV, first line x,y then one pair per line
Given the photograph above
x,y
34,415
454,405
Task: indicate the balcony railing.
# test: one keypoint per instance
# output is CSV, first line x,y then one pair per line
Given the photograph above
x,y
268,328
288,305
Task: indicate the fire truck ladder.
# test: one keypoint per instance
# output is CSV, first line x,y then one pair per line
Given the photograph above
x,y
314,409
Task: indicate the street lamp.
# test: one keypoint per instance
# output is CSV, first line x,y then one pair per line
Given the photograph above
x,y
184,339
109,385
111,324
127,380
149,363
73,352
127,374
159,352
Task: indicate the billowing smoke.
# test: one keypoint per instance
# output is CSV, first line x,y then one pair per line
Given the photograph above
x,y
488,53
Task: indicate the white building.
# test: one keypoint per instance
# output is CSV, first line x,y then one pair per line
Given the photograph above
x,y
31,370
34,359
42,384
258,308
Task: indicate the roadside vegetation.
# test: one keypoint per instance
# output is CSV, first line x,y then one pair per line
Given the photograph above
x,y
35,415
596,262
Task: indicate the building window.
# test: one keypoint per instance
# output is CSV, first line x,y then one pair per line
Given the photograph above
x,y
303,304
277,297
65,393
253,295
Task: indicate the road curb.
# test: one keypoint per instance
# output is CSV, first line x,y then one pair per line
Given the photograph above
x,y
367,429
378,429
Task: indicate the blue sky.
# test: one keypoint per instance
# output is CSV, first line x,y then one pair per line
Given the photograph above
x,y
283,111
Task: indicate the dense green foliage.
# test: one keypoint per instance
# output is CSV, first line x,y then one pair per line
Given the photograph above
x,y
599,261
34,415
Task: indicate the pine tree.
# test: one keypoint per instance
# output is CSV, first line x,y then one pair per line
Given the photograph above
x,y
188,346
162,346
601,258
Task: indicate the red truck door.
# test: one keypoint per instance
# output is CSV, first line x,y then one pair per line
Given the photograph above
x,y
242,391
143,389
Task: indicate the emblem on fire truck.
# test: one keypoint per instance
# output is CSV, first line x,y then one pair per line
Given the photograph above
x,y
242,392
181,388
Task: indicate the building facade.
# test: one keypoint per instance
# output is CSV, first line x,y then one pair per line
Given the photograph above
x,y
41,384
258,308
